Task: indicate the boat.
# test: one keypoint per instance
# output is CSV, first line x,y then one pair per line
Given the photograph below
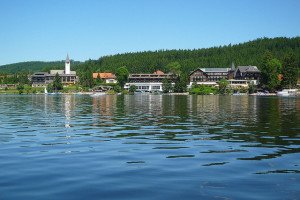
x,y
287,92
45,91
97,94
239,94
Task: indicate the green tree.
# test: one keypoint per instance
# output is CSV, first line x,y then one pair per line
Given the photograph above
x,y
57,84
223,86
50,88
98,80
289,71
86,77
23,78
132,88
20,88
122,75
252,88
174,67
117,88
270,70
166,86
181,84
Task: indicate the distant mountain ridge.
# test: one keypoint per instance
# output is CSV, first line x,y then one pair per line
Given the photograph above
x,y
247,53
33,66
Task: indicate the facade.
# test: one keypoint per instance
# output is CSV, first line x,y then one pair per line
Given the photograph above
x,y
107,77
210,76
240,76
149,82
8,86
42,79
249,73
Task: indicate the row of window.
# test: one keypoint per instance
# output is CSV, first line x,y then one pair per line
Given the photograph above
x,y
154,87
43,79
212,78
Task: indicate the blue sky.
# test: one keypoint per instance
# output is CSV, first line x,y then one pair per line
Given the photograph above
x,y
47,30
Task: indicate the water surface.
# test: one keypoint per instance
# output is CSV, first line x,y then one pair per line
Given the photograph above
x,y
149,147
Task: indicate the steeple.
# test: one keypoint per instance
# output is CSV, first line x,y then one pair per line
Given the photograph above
x,y
67,59
67,65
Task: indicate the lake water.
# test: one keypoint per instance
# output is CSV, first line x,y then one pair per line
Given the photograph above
x,y
149,147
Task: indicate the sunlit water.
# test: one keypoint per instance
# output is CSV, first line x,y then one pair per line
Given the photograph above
x,y
149,147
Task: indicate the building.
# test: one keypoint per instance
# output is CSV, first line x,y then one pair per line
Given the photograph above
x,y
249,73
240,76
149,82
68,77
106,77
210,76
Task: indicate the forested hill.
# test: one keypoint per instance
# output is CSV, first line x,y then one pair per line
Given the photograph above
x,y
33,66
248,53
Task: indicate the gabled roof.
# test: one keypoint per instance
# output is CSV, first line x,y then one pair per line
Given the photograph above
x,y
215,69
244,69
104,75
159,72
211,70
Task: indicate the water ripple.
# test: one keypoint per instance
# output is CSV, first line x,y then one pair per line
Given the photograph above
x,y
149,147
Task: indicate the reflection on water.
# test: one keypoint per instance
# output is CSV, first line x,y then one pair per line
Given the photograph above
x,y
149,146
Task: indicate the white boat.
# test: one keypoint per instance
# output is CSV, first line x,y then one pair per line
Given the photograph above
x,y
287,92
45,91
97,94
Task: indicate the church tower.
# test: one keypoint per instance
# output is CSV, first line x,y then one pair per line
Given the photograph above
x,y
67,65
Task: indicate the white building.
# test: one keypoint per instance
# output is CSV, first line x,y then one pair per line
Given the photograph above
x,y
149,82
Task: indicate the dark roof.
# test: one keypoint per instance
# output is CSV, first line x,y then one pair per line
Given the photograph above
x,y
41,74
215,69
244,69
212,69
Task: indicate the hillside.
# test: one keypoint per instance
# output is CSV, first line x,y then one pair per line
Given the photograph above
x,y
33,66
248,53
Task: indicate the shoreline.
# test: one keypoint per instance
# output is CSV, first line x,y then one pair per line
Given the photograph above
x,y
167,94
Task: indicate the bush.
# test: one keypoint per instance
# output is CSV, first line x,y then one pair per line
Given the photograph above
x,y
117,88
132,88
125,92
110,92
20,88
252,88
203,90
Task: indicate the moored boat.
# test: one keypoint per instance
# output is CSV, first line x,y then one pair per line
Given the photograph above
x,y
287,92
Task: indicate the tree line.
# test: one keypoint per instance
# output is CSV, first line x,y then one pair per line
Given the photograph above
x,y
270,55
248,53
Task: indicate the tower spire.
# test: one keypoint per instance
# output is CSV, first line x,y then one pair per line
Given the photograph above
x,y
67,65
67,59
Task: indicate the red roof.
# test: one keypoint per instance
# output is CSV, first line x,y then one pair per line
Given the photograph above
x,y
104,75
159,72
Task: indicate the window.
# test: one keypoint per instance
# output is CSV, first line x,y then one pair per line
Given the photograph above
x,y
156,87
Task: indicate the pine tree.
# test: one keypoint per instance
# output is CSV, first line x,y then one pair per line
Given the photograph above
x,y
166,86
57,84
289,71
122,75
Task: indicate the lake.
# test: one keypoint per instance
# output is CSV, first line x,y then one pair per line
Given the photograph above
x,y
149,147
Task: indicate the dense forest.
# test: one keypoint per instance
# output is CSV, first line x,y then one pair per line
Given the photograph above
x,y
33,66
248,53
